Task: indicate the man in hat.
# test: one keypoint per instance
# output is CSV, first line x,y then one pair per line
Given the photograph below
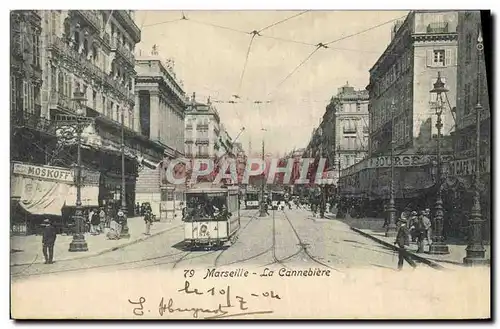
x,y
48,240
402,240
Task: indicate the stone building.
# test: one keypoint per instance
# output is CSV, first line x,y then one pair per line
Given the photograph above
x,y
472,87
422,45
160,108
351,126
202,129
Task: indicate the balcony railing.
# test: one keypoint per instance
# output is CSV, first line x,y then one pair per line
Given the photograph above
x,y
122,51
124,16
202,126
189,139
441,27
91,18
202,140
33,121
88,67
349,130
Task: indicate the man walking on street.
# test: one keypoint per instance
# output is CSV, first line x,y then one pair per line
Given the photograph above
x,y
48,240
402,240
148,220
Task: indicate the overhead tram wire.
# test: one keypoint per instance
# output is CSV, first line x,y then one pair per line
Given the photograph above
x,y
283,20
318,47
365,30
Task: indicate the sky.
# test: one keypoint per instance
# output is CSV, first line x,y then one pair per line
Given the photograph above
x,y
210,51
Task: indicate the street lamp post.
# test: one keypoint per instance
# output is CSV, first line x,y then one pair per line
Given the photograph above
x,y
262,211
475,249
391,209
125,231
79,121
438,245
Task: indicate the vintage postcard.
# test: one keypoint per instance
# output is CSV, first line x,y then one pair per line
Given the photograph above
x,y
250,164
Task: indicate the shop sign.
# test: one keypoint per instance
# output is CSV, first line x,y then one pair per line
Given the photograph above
x,y
467,167
400,161
44,172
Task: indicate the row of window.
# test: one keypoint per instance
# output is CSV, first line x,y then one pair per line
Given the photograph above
x,y
350,126
393,74
201,149
25,40
65,85
402,131
24,95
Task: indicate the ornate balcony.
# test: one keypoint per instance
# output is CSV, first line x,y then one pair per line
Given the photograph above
x,y
202,140
91,18
122,51
33,121
125,19
63,49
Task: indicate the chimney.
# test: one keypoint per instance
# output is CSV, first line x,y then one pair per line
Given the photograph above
x,y
194,97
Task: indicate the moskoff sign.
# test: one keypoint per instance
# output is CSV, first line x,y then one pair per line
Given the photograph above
x,y
44,172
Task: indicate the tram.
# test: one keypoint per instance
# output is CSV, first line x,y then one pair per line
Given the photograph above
x,y
278,200
211,216
252,199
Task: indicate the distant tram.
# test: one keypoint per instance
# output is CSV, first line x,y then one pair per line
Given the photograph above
x,y
211,216
278,200
252,199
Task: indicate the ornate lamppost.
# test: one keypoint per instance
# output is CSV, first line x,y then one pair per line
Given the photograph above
x,y
475,249
438,245
79,121
125,231
391,229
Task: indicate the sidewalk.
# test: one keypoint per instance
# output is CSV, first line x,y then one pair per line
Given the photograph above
x,y
24,249
372,228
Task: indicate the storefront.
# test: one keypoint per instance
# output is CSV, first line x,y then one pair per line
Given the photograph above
x,y
39,192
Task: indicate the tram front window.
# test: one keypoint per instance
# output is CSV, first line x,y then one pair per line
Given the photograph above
x,y
252,197
205,207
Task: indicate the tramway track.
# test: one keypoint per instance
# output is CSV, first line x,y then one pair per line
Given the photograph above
x,y
21,274
303,247
236,238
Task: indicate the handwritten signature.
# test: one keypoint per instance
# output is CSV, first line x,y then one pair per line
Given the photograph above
x,y
167,305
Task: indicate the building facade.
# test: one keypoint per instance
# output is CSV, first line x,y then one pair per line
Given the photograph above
x,y
400,105
89,52
32,135
202,129
351,126
160,108
472,84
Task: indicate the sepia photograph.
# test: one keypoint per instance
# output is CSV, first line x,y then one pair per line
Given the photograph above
x,y
250,164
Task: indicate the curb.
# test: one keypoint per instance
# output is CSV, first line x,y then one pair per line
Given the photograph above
x,y
108,249
408,253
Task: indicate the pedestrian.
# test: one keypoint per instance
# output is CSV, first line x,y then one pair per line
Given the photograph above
x,y
412,224
137,209
102,219
48,240
402,240
94,222
420,231
148,221
386,219
427,226
89,218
